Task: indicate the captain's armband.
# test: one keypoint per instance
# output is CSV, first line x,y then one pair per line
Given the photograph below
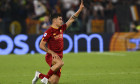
x,y
74,17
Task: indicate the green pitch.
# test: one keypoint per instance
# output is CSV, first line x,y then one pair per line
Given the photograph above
x,y
80,68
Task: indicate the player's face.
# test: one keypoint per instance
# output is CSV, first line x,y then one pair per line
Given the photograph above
x,y
59,21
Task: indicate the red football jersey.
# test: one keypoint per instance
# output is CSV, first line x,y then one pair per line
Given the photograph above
x,y
54,39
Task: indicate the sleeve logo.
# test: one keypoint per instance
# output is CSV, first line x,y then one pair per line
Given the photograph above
x,y
45,34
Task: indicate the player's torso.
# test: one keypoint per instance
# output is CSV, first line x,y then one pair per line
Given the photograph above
x,y
55,42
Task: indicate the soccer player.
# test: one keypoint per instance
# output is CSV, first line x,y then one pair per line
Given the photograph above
x,y
53,37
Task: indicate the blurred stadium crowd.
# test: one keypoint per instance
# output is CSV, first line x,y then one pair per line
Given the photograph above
x,y
30,16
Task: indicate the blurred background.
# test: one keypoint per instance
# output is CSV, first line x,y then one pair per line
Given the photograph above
x,y
116,21
99,16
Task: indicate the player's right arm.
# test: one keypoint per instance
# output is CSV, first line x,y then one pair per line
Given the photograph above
x,y
43,47
43,43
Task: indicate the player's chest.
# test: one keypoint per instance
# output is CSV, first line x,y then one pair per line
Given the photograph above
x,y
57,35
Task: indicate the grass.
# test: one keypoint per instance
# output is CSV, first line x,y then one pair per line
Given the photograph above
x,y
80,68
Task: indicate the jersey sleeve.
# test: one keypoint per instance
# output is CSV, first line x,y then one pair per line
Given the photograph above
x,y
63,27
46,35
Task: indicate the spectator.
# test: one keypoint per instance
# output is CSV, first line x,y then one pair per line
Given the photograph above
x,y
53,3
75,27
40,9
30,8
109,14
68,3
45,24
98,11
114,2
138,2
70,13
133,27
84,19
138,27
57,7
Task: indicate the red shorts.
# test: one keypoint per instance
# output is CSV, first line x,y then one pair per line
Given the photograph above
x,y
48,59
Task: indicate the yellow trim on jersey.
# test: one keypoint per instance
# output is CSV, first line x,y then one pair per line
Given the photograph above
x,y
60,70
54,27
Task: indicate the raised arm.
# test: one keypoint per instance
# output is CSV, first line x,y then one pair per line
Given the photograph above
x,y
72,19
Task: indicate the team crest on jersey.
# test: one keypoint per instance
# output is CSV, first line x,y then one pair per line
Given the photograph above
x,y
45,34
54,33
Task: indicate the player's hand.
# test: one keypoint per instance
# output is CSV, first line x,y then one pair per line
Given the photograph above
x,y
81,5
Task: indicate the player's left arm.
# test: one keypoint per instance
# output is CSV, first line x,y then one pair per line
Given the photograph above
x,y
75,16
